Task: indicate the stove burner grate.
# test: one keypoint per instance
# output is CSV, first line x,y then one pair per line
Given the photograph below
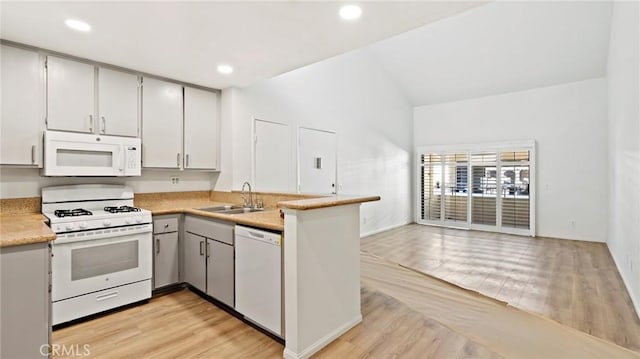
x,y
72,212
121,209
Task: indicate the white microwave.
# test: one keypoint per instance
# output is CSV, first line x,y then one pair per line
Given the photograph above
x,y
78,154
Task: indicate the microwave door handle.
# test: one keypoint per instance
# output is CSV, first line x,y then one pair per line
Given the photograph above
x,y
121,159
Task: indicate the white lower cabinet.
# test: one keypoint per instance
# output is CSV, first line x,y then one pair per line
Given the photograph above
x,y
195,266
209,258
166,259
25,300
166,251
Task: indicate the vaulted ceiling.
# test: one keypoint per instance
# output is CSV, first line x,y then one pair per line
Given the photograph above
x,y
497,48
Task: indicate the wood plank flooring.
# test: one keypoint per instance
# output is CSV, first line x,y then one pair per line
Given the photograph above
x,y
183,325
575,283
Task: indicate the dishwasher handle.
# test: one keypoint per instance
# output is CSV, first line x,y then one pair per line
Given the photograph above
x,y
258,235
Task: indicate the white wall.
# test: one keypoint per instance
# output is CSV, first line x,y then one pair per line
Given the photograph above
x,y
569,124
624,145
352,95
26,182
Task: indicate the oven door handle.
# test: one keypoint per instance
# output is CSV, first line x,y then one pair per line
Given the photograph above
x,y
106,296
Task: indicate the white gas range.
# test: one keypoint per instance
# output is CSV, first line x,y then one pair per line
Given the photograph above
x,y
102,256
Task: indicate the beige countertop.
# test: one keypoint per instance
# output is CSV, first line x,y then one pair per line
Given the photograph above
x,y
322,202
24,228
269,218
29,227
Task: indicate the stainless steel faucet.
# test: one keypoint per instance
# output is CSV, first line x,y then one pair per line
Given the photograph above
x,y
246,203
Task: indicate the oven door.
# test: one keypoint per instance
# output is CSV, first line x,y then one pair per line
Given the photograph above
x,y
90,265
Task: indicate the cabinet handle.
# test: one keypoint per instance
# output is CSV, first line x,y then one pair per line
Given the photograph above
x,y
33,154
208,250
178,160
90,123
104,124
201,250
187,158
157,246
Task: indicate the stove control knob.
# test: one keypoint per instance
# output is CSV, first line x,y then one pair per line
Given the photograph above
x,y
139,219
83,225
106,223
127,221
69,226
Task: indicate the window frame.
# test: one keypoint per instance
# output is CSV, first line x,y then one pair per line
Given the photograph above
x,y
469,149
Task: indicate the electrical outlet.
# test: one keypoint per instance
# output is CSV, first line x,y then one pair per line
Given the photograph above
x,y
175,180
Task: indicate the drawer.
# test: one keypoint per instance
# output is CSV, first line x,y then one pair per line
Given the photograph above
x,y
218,230
165,225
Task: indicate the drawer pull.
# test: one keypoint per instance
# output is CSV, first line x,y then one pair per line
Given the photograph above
x,y
102,297
166,225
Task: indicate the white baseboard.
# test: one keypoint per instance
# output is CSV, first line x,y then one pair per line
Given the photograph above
x,y
362,235
322,342
634,300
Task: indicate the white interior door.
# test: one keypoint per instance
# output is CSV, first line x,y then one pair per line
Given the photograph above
x,y
317,151
272,154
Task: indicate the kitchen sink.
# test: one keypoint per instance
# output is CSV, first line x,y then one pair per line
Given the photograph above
x,y
241,210
230,209
220,208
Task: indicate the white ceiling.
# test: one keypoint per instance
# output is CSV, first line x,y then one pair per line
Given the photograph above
x,y
186,40
498,48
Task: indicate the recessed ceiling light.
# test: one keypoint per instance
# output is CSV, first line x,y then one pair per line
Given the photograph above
x,y
350,12
225,69
78,25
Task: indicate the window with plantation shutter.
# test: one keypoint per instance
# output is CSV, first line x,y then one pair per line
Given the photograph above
x,y
486,187
514,175
430,177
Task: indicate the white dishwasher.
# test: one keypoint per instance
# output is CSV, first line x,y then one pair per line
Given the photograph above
x,y
259,277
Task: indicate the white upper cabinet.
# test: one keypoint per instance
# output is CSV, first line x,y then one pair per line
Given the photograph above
x,y
200,129
117,103
161,124
70,95
22,121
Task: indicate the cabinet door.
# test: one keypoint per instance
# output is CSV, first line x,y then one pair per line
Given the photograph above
x,y
161,124
194,261
25,300
70,95
165,270
220,272
22,121
117,103
200,129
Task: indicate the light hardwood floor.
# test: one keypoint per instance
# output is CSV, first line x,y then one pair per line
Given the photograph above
x,y
573,282
183,325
